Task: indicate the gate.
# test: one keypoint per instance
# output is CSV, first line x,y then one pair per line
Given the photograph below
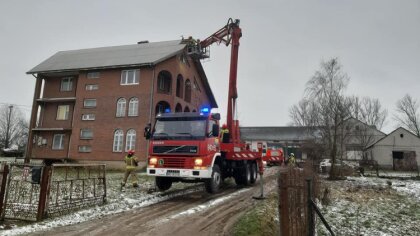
x,y
34,192
23,192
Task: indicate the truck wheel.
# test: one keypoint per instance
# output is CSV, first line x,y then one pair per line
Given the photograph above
x,y
254,173
243,175
213,184
163,183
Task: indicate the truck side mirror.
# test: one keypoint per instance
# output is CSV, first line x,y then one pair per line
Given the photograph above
x,y
147,134
215,130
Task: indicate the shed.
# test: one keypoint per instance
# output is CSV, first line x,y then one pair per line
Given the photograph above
x,y
399,150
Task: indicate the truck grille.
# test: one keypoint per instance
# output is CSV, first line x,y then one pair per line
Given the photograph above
x,y
173,162
183,149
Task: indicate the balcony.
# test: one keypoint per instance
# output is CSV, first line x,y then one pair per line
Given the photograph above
x,y
52,100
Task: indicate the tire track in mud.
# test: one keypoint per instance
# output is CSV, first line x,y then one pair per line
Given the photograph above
x,y
192,213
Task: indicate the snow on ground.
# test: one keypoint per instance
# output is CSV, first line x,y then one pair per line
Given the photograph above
x,y
372,206
117,202
207,205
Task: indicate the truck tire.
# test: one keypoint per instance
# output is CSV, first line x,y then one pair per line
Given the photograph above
x,y
213,184
243,175
163,183
254,172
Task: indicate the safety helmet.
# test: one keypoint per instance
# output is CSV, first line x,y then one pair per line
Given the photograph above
x,y
224,126
131,152
292,154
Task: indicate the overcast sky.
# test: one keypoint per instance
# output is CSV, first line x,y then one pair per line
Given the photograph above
x,y
283,43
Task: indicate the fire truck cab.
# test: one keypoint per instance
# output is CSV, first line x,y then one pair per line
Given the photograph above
x,y
185,147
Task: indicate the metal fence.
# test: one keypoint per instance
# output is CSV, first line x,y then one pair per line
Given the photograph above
x,y
33,192
74,187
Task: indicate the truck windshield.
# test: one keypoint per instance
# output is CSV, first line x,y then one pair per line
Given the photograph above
x,y
179,129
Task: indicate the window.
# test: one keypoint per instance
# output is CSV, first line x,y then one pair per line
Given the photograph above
x,y
210,128
88,117
133,107
121,104
58,142
179,86
164,82
66,84
118,141
86,134
129,77
92,87
93,75
196,85
85,148
130,140
63,112
89,103
187,96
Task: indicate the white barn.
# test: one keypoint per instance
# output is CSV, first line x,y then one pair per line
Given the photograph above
x,y
399,150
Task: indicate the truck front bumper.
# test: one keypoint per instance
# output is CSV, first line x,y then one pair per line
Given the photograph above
x,y
180,173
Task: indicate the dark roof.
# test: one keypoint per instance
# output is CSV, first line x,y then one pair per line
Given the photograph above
x,y
286,133
144,54
110,57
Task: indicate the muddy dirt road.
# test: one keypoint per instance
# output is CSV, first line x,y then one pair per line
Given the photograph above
x,y
196,213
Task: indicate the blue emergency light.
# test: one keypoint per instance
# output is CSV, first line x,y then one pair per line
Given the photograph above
x,y
205,110
167,110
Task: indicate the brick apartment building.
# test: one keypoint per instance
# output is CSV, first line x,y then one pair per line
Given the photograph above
x,y
93,104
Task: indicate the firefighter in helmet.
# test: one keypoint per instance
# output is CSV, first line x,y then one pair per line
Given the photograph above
x,y
224,134
131,163
292,159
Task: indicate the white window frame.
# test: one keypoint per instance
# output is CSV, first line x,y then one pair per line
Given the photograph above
x,y
130,139
85,148
88,117
88,100
91,87
118,140
60,139
83,133
121,107
126,78
66,112
93,75
66,84
133,107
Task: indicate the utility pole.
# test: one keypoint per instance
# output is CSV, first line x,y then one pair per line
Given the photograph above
x,y
6,142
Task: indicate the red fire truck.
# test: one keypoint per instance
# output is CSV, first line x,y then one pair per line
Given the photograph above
x,y
274,156
185,146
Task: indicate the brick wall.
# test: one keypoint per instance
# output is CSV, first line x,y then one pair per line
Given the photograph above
x,y
106,122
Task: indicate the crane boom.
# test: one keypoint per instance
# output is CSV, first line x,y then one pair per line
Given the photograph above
x,y
229,35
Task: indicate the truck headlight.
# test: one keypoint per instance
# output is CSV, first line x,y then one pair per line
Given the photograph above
x,y
153,161
198,162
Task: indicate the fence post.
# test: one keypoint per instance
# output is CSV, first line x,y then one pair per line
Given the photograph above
x,y
45,180
3,183
311,222
284,205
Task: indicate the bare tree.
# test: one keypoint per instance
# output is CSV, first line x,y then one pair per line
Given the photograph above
x,y
325,107
370,112
408,114
13,127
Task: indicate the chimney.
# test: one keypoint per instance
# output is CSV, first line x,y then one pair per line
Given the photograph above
x,y
143,42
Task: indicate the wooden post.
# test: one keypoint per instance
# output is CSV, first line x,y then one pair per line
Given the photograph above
x,y
284,206
4,174
311,222
44,190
